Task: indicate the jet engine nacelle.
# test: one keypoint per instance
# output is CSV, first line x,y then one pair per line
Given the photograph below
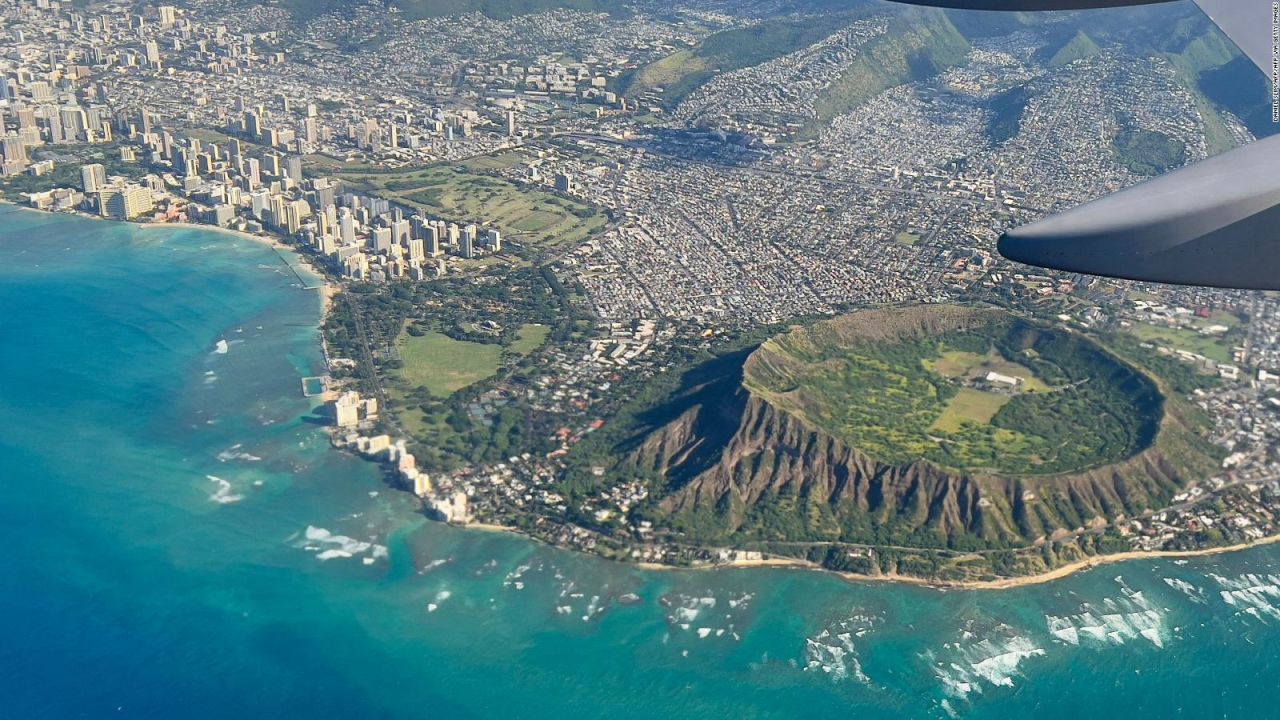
x,y
1031,4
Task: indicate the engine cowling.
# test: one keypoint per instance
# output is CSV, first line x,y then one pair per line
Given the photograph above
x,y
1030,5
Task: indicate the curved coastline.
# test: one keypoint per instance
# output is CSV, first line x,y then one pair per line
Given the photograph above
x,y
1008,583
1005,583
328,289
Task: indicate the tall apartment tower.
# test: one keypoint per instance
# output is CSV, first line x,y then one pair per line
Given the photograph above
x,y
467,248
93,178
431,241
129,202
347,226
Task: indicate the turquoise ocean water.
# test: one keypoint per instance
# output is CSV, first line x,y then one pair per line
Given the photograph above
x,y
178,541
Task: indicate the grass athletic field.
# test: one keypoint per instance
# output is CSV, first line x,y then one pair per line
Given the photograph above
x,y
444,365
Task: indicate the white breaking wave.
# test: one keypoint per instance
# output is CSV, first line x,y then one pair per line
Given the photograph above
x,y
221,347
686,609
432,565
438,600
1114,621
1186,588
513,578
999,669
593,608
714,617
328,546
832,651
224,495
236,453
1255,595
991,661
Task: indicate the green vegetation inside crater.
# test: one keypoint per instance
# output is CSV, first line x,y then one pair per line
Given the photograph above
x,y
1074,407
1007,109
1147,152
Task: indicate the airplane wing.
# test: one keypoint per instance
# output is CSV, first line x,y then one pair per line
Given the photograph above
x,y
1029,5
1249,24
1214,223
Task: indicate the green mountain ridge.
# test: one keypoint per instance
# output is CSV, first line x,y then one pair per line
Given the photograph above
x,y
919,45
1079,47
684,71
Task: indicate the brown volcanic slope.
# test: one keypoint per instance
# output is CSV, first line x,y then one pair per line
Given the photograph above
x,y
740,466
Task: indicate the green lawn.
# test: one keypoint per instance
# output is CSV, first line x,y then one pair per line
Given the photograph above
x,y
976,406
1179,339
957,364
444,365
457,194
1219,317
498,161
537,221
531,338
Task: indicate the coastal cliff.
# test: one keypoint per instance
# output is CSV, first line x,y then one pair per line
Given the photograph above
x,y
771,454
742,464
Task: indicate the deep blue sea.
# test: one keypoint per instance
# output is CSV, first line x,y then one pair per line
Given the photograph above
x,y
179,542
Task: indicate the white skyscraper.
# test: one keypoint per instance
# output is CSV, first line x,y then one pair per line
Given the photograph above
x,y
92,178
347,226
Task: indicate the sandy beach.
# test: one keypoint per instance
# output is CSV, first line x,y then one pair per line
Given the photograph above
x,y
329,290
263,239
491,527
1023,581
998,584
1093,562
